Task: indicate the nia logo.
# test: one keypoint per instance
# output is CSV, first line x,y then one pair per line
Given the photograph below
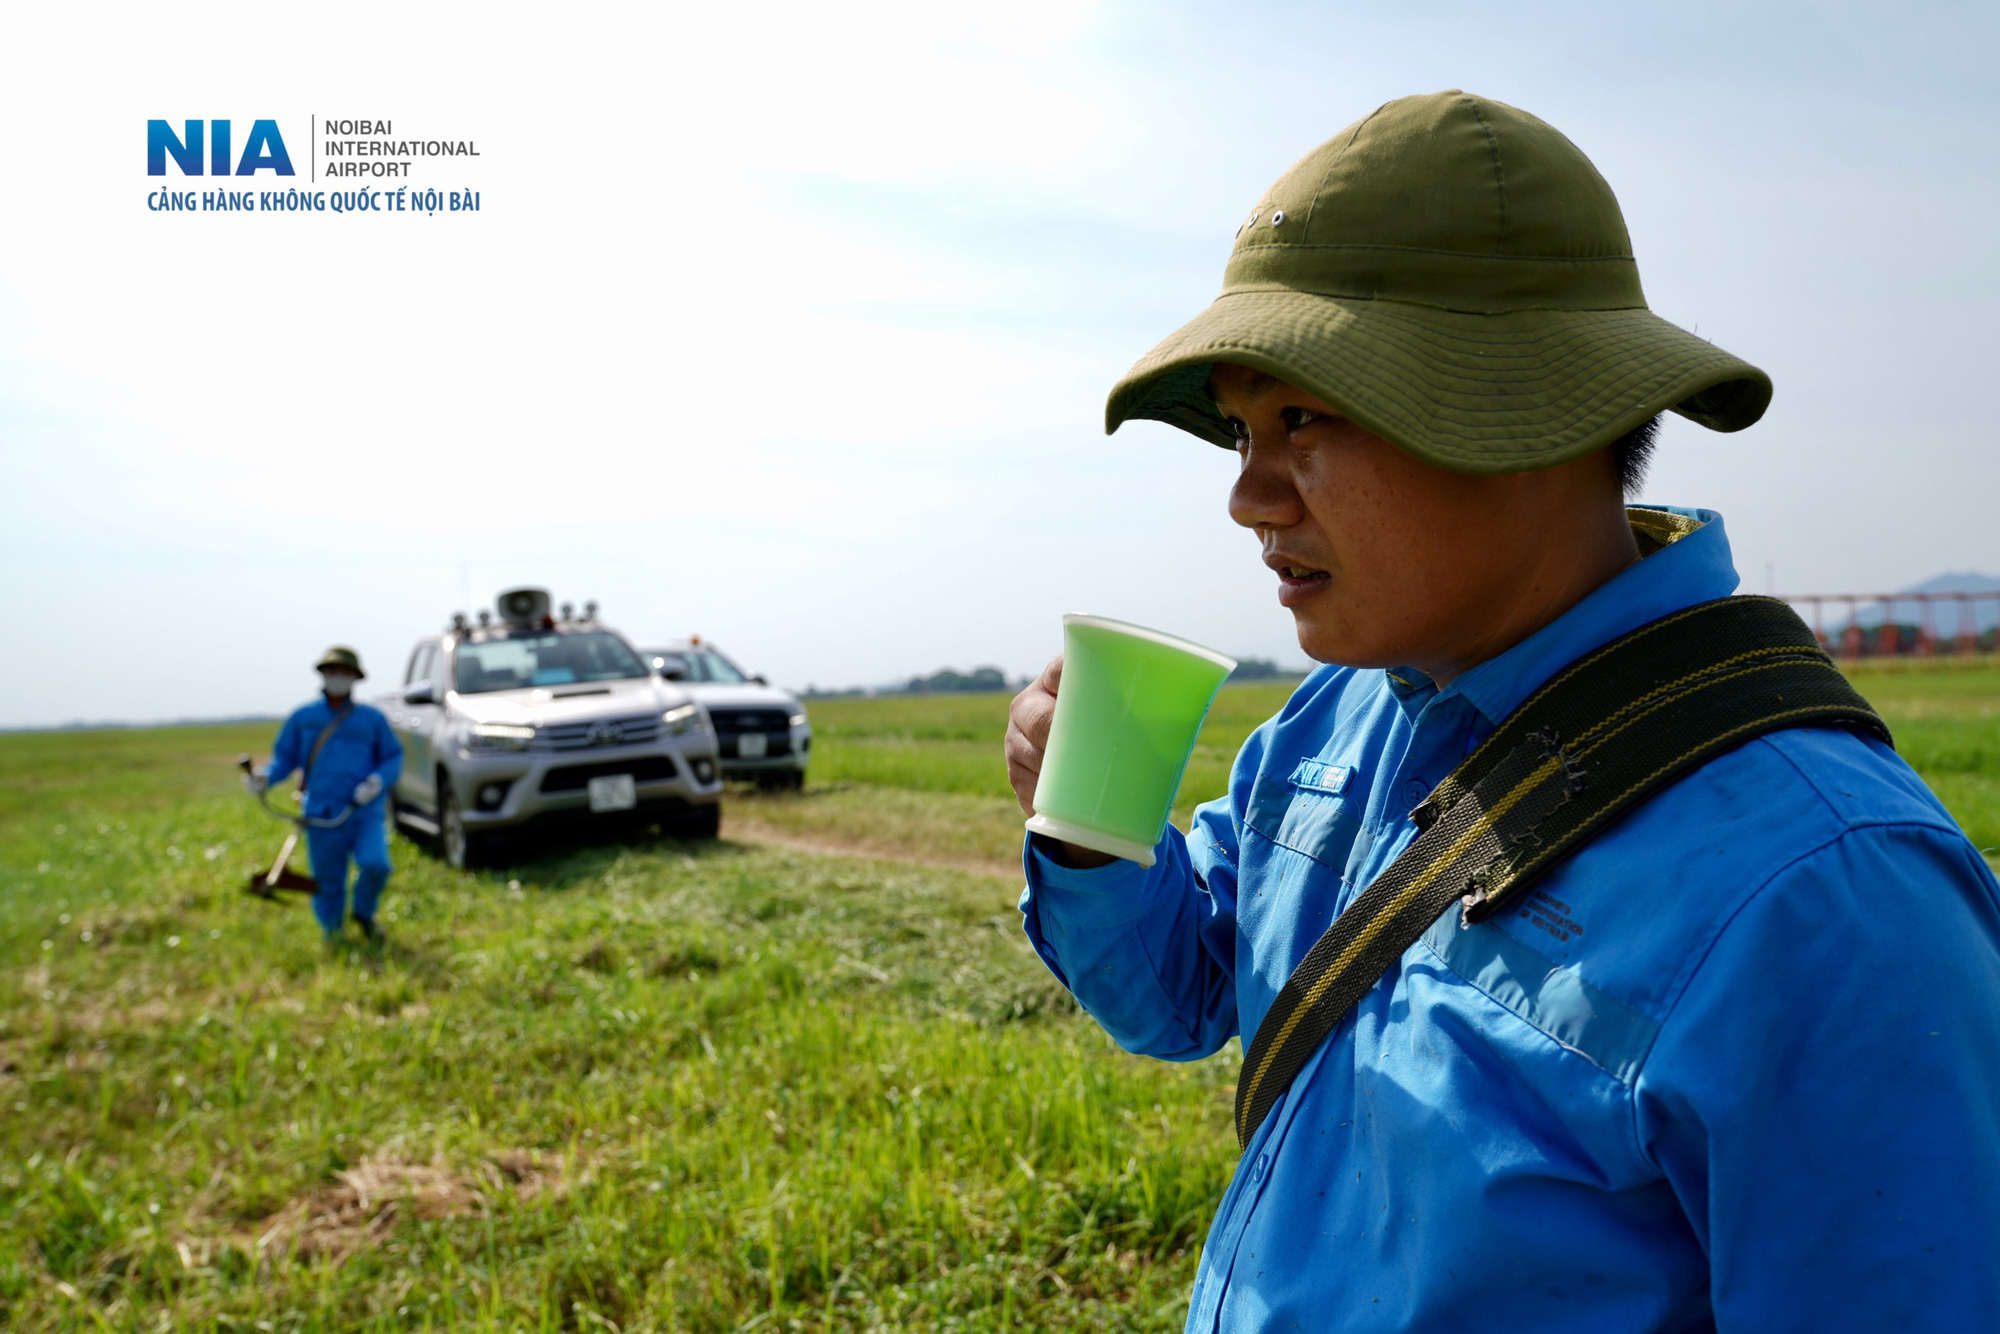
x,y
263,149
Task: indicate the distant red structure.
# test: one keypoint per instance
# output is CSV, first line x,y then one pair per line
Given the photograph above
x,y
1963,627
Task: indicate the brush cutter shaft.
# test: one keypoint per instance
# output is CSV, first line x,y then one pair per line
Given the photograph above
x,y
284,855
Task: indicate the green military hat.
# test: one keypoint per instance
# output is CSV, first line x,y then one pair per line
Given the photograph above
x,y
1455,276
343,657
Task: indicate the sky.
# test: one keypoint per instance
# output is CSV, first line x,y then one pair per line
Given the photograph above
x,y
791,324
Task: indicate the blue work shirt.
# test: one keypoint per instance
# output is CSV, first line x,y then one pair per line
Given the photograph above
x,y
363,745
1735,1065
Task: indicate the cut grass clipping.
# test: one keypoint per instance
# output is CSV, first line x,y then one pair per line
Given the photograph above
x,y
811,1081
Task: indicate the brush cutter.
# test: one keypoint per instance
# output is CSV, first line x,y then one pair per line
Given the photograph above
x,y
266,884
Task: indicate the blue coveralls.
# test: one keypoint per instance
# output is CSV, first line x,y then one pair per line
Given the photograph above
x,y
1733,1066
362,745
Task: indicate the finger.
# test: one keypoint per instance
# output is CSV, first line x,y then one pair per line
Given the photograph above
x,y
1024,784
1028,719
1022,752
1024,761
1036,717
1028,733
1024,769
1025,708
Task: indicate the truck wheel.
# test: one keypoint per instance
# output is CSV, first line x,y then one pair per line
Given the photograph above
x,y
462,848
701,822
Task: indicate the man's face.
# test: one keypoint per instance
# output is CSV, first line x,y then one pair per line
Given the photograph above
x,y
337,682
1383,559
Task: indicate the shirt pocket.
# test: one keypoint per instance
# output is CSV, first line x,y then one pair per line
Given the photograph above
x,y
1308,811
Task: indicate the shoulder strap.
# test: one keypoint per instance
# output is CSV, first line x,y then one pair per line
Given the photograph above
x,y
319,743
1605,733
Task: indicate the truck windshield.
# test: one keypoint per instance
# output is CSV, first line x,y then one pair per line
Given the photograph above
x,y
706,666
544,660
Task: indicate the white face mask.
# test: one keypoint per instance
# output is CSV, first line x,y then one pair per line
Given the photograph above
x,y
338,684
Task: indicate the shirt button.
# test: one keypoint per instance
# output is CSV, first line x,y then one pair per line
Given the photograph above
x,y
1415,791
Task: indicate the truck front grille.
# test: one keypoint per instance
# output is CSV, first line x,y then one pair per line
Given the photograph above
x,y
637,730
729,722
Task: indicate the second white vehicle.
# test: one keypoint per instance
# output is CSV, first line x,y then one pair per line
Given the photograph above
x,y
762,733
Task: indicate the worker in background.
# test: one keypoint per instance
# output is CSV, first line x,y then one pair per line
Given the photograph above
x,y
346,757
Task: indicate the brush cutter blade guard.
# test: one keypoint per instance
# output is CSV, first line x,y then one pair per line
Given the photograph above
x,y
264,887
266,884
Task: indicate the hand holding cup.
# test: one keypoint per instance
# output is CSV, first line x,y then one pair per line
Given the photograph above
x,y
1099,757
1028,720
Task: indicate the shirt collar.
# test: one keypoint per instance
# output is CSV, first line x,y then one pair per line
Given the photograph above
x,y
1693,565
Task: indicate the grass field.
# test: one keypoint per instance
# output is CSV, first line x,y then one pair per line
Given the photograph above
x,y
808,1077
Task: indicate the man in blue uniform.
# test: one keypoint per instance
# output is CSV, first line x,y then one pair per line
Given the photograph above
x,y
347,758
1733,1065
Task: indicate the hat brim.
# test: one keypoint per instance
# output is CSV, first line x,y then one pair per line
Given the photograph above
x,y
325,663
1479,393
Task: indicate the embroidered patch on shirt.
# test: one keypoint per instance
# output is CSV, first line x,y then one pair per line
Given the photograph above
x,y
1319,776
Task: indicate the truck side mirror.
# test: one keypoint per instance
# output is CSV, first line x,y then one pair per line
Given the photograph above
x,y
420,693
760,678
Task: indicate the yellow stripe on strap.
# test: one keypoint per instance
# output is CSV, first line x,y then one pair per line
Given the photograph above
x,y
1380,923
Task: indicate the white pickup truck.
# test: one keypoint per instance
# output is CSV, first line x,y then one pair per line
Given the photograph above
x,y
532,719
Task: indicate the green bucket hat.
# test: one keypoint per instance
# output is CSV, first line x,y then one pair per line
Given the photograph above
x,y
342,657
1455,276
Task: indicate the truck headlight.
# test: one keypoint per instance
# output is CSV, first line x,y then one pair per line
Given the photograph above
x,y
798,719
684,719
498,736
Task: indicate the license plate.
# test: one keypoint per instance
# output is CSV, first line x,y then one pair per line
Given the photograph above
x,y
750,745
614,792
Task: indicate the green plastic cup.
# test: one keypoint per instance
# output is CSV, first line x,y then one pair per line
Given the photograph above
x,y
1130,705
